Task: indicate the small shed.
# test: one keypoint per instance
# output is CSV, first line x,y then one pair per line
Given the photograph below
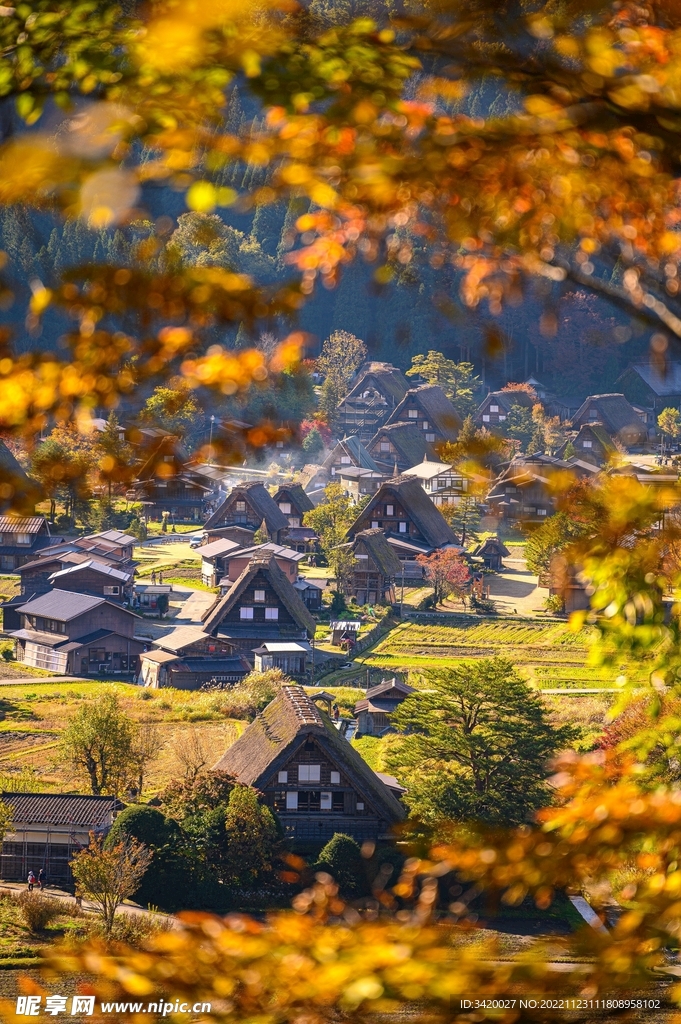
x,y
373,711
492,551
152,596
290,657
310,593
344,633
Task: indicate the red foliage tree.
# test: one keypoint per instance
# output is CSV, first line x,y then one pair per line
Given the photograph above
x,y
446,572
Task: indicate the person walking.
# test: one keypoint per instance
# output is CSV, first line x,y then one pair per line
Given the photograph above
x,y
31,881
42,879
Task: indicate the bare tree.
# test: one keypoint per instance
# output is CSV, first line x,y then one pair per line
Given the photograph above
x,y
194,751
107,877
190,754
147,743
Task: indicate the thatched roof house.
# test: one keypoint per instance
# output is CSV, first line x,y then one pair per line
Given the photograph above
x,y
314,779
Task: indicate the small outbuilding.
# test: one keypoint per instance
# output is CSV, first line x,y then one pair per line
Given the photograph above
x,y
344,633
373,711
492,551
292,657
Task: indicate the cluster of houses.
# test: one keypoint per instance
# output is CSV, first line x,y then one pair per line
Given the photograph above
x,y
79,608
293,754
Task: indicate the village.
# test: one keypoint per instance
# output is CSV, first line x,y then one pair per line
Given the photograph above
x,y
413,543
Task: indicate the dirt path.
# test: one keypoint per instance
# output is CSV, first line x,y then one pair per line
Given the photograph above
x,y
134,909
515,590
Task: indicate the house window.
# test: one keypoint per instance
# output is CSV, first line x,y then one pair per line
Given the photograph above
x,y
494,408
335,778
259,595
112,591
402,528
241,506
587,444
541,511
294,521
360,805
413,414
430,437
291,801
23,538
6,562
390,510
345,460
374,524
309,772
325,804
167,458
272,614
282,777
501,419
485,419
285,507
385,446
279,444
425,425
245,613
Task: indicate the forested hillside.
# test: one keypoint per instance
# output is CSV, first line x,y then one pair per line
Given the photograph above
x,y
573,340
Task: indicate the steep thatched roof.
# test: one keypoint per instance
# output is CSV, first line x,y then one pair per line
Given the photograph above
x,y
617,416
253,492
355,450
436,406
280,729
409,441
383,555
280,583
387,379
426,517
297,494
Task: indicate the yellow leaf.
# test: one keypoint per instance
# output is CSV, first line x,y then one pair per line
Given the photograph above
x,y
202,197
40,300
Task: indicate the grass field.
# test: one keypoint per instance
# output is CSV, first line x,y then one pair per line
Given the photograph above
x,y
33,716
547,653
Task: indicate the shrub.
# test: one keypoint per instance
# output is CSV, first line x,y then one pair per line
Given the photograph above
x,y
165,882
132,929
554,604
7,650
342,859
37,910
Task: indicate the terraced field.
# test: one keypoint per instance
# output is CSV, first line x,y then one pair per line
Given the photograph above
x,y
547,653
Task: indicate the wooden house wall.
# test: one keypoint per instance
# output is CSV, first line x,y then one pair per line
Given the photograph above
x,y
237,565
376,514
369,583
250,517
87,581
283,496
247,599
312,823
105,617
422,421
37,580
121,657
